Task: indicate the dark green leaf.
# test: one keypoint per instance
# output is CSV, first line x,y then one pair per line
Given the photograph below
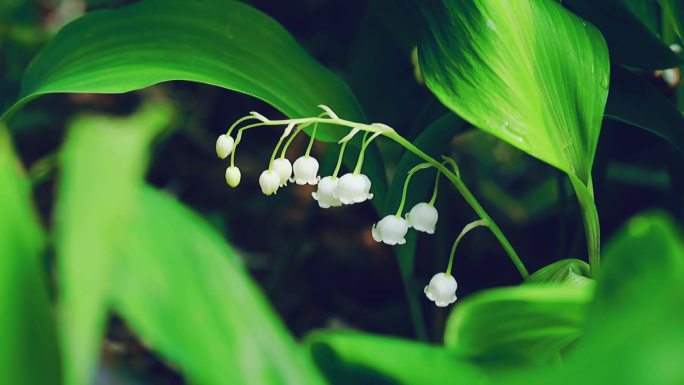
x,y
634,100
532,323
630,42
354,358
28,341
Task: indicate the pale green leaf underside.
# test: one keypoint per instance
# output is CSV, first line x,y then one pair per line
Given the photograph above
x,y
219,42
529,322
527,71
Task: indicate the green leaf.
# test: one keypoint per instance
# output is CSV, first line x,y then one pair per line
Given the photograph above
x,y
674,11
528,71
529,323
630,41
218,42
633,333
185,292
28,346
434,141
568,271
354,358
103,161
634,100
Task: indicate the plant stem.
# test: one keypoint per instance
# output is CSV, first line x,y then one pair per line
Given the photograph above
x,y
465,231
453,178
406,184
592,229
469,198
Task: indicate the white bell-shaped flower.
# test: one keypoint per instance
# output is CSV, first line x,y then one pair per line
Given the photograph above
x,y
224,146
326,195
233,176
353,188
441,289
269,182
283,168
390,230
305,170
423,217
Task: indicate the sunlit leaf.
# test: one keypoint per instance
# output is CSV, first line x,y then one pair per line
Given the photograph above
x,y
354,358
103,161
184,291
28,341
530,323
528,71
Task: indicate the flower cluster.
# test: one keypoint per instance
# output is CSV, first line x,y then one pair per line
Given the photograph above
x,y
333,191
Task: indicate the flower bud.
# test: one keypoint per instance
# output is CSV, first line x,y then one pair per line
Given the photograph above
x,y
441,289
306,170
283,168
233,176
224,146
326,195
353,188
390,230
423,217
269,182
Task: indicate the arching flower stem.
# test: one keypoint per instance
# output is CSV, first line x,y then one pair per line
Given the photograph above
x,y
450,175
465,231
409,175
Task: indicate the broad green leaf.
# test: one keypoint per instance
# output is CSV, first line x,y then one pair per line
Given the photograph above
x,y
219,42
355,358
223,43
567,271
528,71
184,291
634,328
529,323
630,41
28,339
103,161
634,100
646,11
434,141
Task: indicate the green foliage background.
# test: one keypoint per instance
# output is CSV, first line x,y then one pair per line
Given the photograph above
x,y
124,257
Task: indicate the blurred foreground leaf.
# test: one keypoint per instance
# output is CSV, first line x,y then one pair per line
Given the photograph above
x,y
634,329
103,161
183,290
355,358
28,339
529,323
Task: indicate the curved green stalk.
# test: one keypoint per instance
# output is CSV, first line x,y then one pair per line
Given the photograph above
x,y
465,231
